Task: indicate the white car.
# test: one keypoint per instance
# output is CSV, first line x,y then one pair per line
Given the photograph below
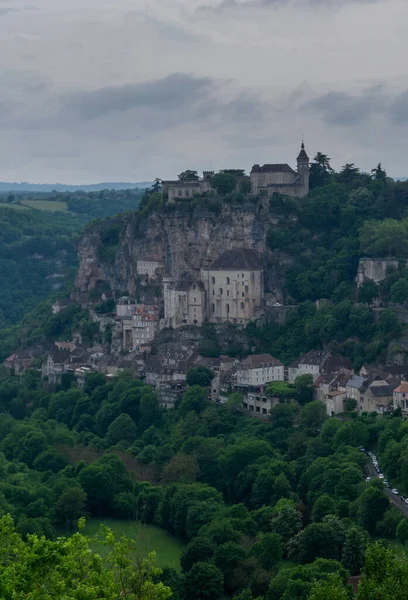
x,y
406,500
368,479
395,491
381,476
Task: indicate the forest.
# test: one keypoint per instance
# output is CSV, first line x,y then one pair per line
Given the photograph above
x,y
276,510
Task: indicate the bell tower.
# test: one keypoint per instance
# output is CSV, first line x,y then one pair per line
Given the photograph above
x,y
303,169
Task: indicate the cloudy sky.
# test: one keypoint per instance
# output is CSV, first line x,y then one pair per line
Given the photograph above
x,y
110,90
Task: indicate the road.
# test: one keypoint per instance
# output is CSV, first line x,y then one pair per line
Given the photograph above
x,y
396,500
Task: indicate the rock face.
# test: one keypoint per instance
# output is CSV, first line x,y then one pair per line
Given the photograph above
x,y
184,240
375,269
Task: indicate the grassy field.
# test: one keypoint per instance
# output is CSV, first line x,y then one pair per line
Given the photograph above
x,y
15,206
148,537
46,205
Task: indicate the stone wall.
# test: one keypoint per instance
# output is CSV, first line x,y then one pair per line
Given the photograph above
x,y
375,269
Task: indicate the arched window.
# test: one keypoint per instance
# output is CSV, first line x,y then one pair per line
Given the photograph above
x,y
227,292
221,291
242,306
195,299
227,308
194,287
227,281
212,279
213,308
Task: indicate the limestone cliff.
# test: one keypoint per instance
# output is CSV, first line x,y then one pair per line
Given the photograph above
x,y
186,239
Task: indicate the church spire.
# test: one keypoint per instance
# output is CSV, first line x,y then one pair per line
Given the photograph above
x,y
302,155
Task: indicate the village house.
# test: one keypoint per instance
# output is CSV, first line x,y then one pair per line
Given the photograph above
x,y
184,303
376,396
310,363
20,361
234,287
150,266
253,375
188,188
281,178
400,398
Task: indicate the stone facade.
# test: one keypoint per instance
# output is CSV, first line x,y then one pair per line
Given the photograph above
x,y
184,303
281,178
234,287
149,265
178,189
375,269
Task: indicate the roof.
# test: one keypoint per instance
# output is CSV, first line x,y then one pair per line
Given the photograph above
x,y
355,382
275,168
302,154
402,389
185,286
239,258
381,391
314,357
257,361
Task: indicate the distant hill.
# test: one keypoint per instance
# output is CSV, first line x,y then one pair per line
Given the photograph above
x,y
6,187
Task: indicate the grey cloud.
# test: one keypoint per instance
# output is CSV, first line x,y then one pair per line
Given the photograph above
x,y
226,4
173,91
342,108
398,109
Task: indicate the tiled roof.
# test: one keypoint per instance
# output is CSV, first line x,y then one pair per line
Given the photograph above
x,y
275,168
257,361
402,389
239,258
314,357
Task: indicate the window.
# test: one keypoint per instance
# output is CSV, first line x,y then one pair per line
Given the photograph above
x,y
227,281
221,291
186,193
242,276
195,299
212,279
213,308
227,308
243,295
213,292
242,306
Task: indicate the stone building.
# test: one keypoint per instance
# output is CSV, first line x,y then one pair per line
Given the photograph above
x,y
253,375
281,178
149,265
234,287
179,189
184,303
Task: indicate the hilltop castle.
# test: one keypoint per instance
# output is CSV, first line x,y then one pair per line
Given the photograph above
x,y
265,181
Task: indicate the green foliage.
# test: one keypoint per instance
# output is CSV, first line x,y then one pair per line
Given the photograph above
x,y
199,376
402,532
313,415
224,183
268,549
384,238
385,575
204,581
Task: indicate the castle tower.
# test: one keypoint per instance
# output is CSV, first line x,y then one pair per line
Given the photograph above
x,y
303,168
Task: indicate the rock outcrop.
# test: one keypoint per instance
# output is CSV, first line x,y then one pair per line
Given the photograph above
x,y
184,239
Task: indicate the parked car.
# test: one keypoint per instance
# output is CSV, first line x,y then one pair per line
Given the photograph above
x,y
395,491
368,479
385,482
381,476
361,448
406,500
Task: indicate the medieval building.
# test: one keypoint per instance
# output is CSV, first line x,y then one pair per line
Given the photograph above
x,y
282,178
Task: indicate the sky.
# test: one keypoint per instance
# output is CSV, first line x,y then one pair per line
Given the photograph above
x,y
130,90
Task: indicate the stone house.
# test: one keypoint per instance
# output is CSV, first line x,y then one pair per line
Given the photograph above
x,y
376,396
150,265
234,287
184,303
253,375
19,362
57,363
400,398
178,190
281,178
310,363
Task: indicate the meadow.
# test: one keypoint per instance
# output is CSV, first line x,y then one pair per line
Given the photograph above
x,y
46,205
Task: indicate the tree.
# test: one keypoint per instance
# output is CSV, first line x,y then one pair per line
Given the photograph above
x,y
283,415
157,185
320,171
202,376
402,532
204,581
304,388
69,568
245,186
313,415
399,291
378,173
331,589
324,505
319,540
353,554
181,469
348,172
224,183
350,405
268,549
92,381
368,291
280,389
385,575
372,506
123,429
50,459
71,504
200,549
234,401
195,399
188,175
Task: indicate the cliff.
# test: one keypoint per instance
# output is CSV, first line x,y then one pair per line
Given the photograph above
x,y
184,238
